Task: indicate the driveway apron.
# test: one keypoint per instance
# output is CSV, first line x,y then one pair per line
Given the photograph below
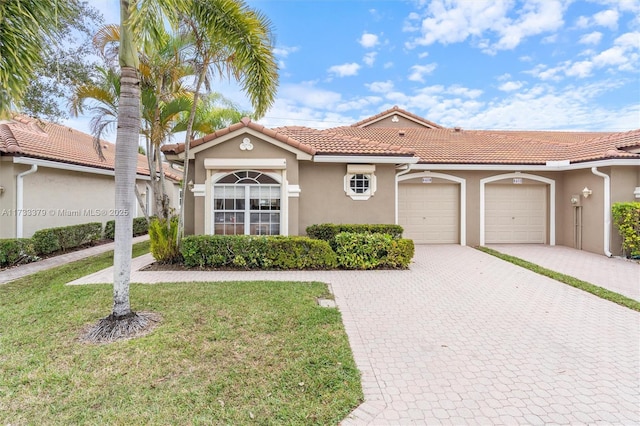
x,y
465,338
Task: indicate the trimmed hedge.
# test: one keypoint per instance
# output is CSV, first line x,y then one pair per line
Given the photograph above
x,y
47,241
257,252
140,227
328,231
626,217
14,251
372,251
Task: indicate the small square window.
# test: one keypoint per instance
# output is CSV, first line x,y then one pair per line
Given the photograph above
x,y
360,182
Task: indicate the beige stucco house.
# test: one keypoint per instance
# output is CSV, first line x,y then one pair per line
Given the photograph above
x,y
51,175
443,185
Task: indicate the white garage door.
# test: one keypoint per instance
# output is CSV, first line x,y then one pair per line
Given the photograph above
x,y
515,214
430,213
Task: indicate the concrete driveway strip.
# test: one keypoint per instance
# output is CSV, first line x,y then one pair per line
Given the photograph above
x,y
466,338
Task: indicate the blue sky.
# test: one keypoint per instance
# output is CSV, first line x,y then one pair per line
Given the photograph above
x,y
495,64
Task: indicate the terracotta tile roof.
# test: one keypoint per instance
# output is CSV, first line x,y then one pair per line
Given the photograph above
x,y
501,147
311,141
396,110
49,141
446,146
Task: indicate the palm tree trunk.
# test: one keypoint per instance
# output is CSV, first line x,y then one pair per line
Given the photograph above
x,y
125,167
187,143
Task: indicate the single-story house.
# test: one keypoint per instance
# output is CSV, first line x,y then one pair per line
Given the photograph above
x,y
443,185
51,175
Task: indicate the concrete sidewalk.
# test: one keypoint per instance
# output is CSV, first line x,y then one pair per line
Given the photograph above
x,y
615,274
14,273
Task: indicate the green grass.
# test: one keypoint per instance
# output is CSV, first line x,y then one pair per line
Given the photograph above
x,y
224,353
566,279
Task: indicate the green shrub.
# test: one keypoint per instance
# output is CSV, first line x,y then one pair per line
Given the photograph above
x,y
371,251
79,235
626,217
140,227
328,231
46,241
163,240
256,252
15,251
299,253
49,240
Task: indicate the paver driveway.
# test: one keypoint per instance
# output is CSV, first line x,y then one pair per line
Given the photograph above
x,y
466,338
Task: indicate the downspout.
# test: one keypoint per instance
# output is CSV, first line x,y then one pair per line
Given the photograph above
x,y
607,209
20,199
404,172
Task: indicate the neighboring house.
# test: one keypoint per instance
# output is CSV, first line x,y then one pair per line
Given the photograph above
x,y
443,185
51,175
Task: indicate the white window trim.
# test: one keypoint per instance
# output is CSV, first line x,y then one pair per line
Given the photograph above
x,y
360,169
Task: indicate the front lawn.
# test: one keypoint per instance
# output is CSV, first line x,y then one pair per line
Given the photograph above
x,y
224,353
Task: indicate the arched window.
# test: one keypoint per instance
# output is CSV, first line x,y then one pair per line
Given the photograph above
x,y
246,203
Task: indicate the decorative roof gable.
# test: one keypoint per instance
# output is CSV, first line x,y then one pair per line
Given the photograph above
x,y
397,118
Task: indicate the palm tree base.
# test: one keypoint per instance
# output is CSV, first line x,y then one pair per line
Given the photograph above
x,y
115,328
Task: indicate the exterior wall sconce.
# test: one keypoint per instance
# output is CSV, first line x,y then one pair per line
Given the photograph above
x,y
2,190
636,192
586,192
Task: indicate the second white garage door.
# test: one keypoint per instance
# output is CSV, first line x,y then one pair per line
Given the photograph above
x,y
430,213
515,214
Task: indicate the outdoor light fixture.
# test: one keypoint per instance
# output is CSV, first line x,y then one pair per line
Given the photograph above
x,y
636,192
586,192
2,190
190,185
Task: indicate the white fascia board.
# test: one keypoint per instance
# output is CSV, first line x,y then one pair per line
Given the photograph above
x,y
362,159
300,155
70,167
250,163
525,167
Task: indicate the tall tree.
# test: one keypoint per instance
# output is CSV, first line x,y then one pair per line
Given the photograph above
x,y
235,41
26,27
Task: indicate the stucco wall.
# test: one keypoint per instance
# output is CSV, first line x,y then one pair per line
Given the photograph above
x,y
67,198
7,199
323,199
231,149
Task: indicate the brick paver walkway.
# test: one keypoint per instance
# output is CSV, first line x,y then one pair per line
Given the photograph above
x,y
465,338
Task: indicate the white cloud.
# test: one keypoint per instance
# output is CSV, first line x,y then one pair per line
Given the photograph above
x,y
285,51
380,86
344,70
607,18
591,38
388,65
580,69
368,40
370,58
418,72
453,21
308,95
510,86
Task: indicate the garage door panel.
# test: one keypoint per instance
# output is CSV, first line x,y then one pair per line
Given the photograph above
x,y
429,213
515,214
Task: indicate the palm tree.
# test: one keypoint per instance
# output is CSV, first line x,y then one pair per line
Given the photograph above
x,y
232,39
26,28
227,35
